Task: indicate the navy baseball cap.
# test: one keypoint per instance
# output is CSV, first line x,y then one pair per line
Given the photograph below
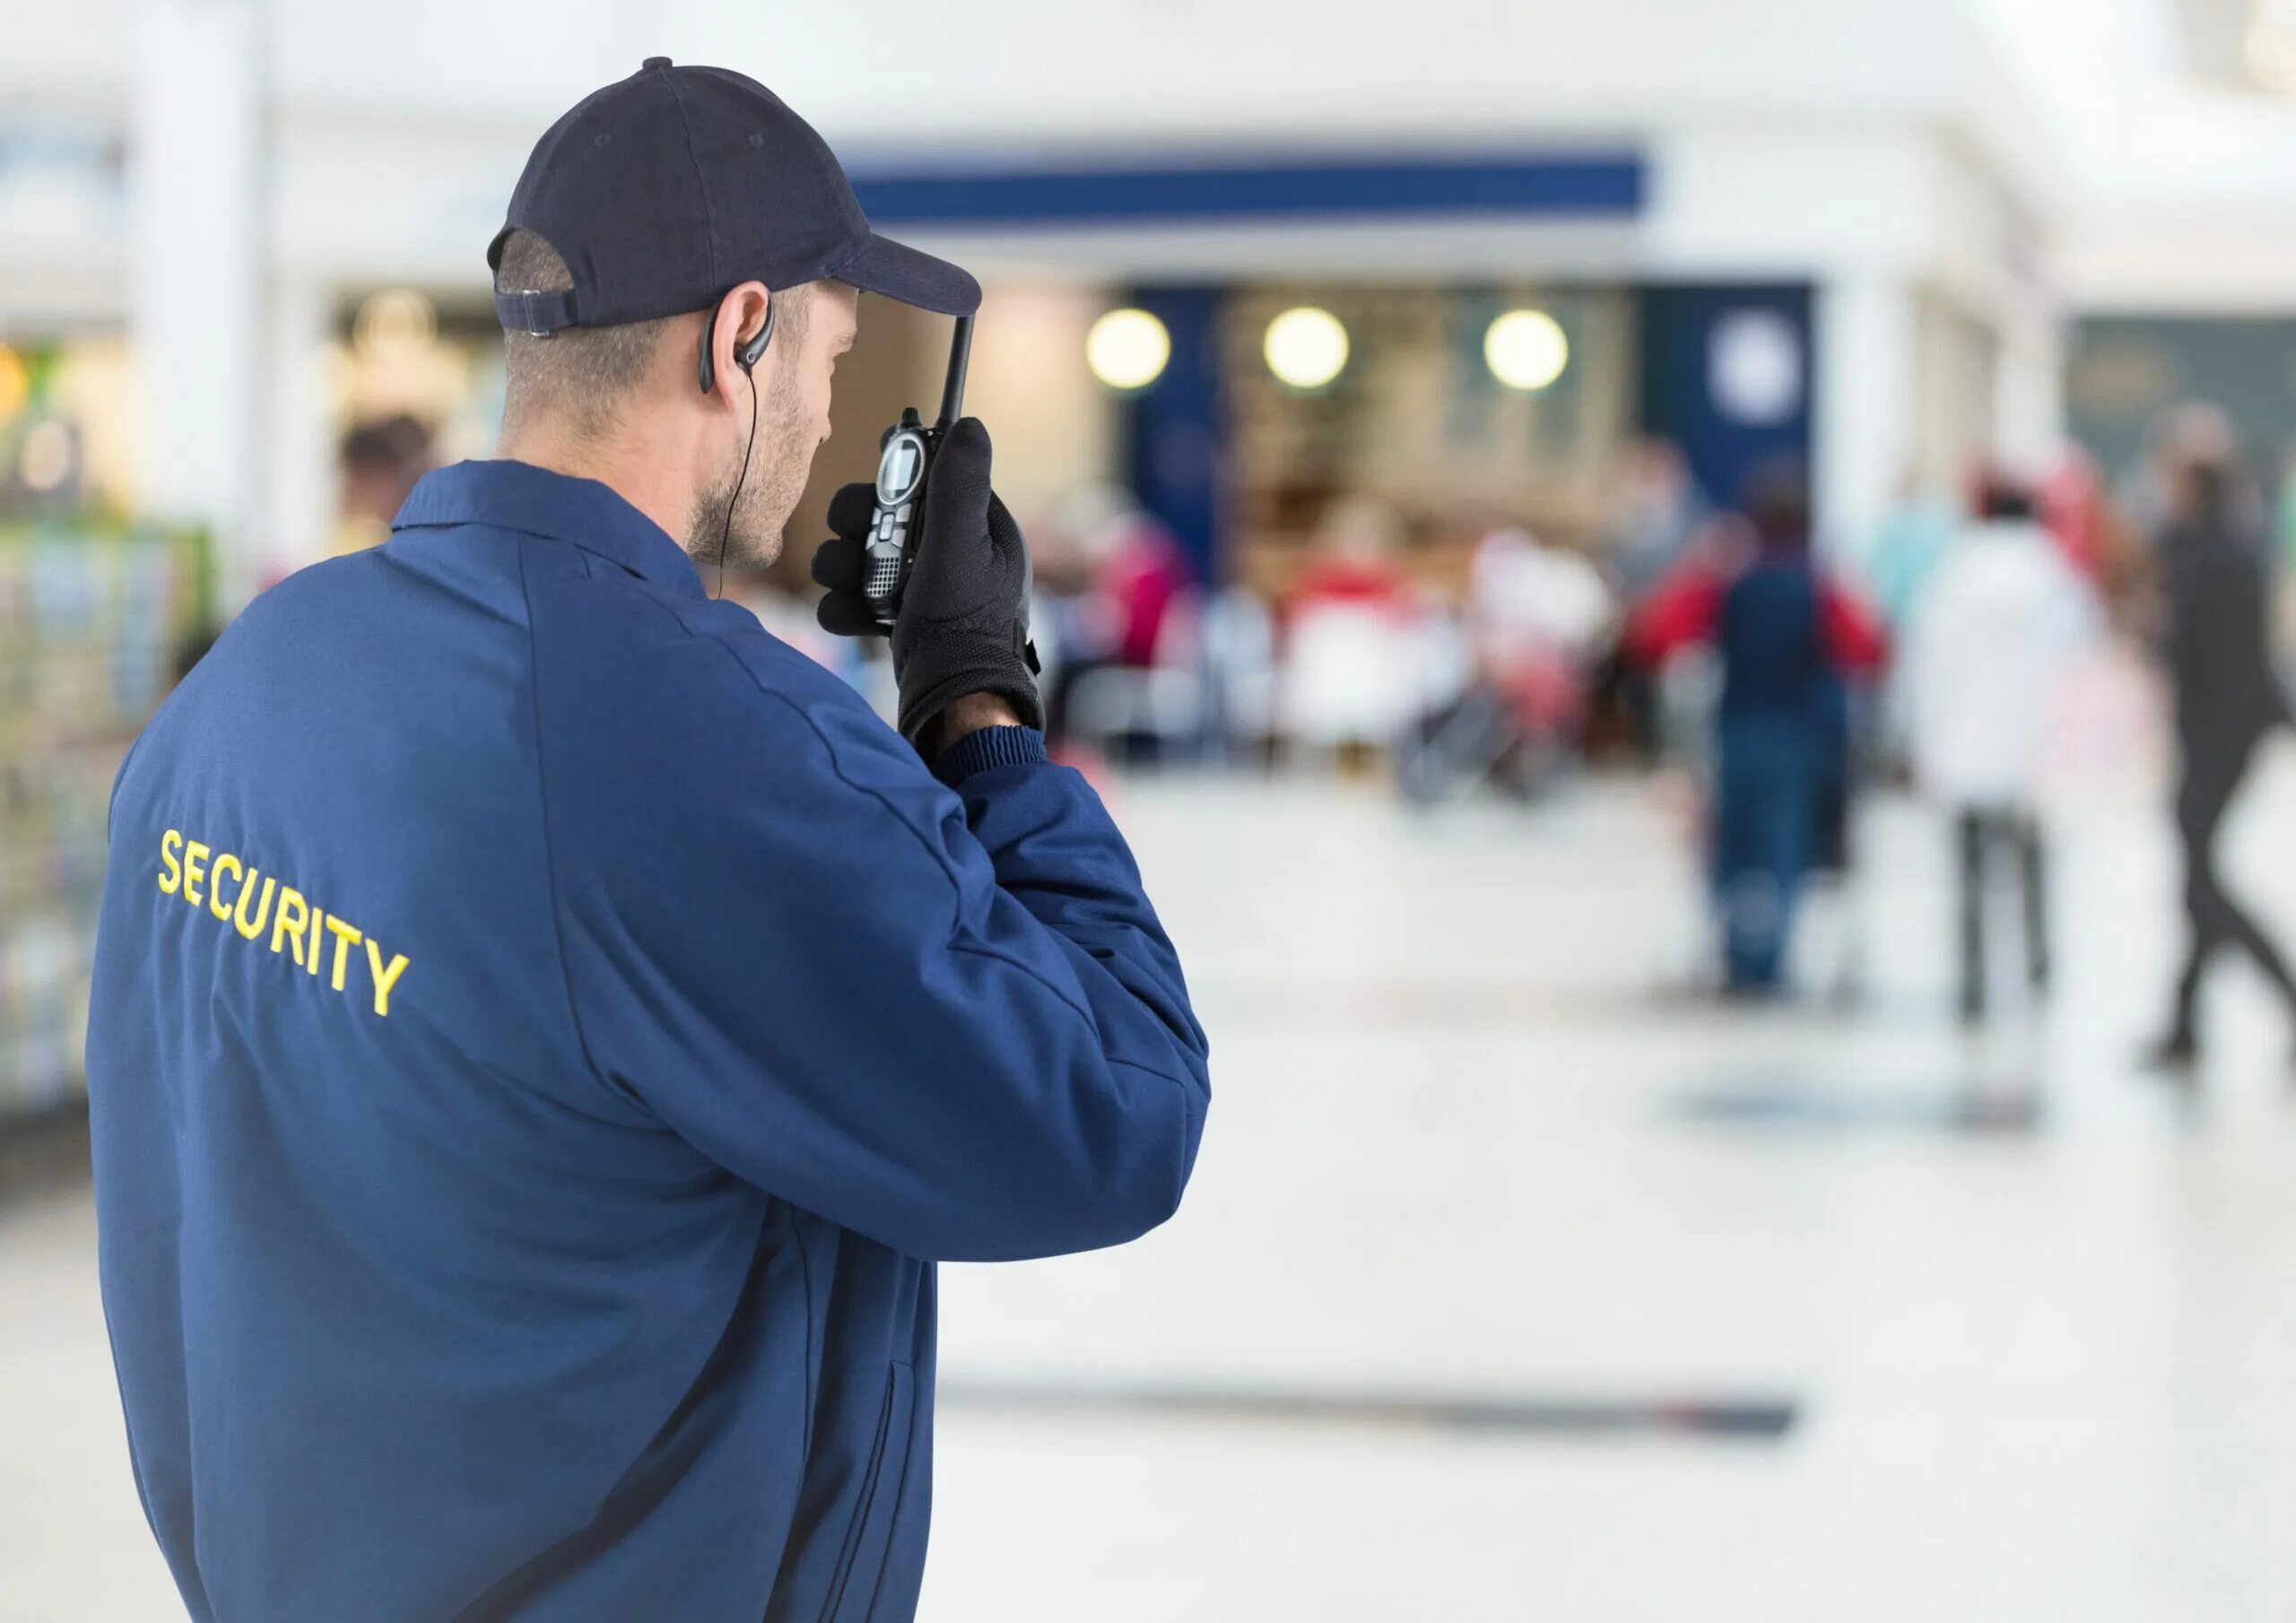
x,y
663,191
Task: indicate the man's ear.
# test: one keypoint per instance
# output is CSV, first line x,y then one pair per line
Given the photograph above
x,y
752,346
735,332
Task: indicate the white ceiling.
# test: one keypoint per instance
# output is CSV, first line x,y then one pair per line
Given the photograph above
x,y
2149,102
2126,125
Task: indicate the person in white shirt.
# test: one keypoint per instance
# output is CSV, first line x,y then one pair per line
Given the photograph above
x,y
2000,623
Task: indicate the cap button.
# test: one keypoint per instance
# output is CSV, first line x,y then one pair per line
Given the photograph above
x,y
653,62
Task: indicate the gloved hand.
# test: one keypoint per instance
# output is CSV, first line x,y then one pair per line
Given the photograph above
x,y
963,625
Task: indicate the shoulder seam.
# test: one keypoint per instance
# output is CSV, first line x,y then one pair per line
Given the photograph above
x,y
549,855
111,802
523,533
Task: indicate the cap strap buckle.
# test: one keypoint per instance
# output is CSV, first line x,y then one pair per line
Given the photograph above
x,y
534,312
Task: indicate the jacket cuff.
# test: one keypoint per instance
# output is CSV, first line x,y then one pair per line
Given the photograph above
x,y
987,747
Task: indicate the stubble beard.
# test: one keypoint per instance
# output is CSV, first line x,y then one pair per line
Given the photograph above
x,y
762,503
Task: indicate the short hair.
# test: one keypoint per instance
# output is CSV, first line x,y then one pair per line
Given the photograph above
x,y
580,374
1778,502
2211,483
395,445
583,373
2002,499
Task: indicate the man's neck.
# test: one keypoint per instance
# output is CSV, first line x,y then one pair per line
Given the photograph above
x,y
633,472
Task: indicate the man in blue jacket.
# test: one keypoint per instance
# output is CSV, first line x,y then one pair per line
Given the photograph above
x,y
545,1030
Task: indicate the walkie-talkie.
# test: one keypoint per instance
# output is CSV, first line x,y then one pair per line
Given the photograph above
x,y
904,463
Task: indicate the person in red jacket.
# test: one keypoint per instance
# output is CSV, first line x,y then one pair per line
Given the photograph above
x,y
1790,641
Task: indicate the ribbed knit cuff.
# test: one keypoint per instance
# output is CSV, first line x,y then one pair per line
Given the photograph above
x,y
987,747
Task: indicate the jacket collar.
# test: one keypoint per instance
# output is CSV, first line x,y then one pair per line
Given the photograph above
x,y
507,495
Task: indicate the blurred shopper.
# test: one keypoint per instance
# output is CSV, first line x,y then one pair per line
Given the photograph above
x,y
1145,582
1141,578
2155,494
1351,654
2072,504
557,1243
1123,611
1789,639
1354,562
382,463
1067,623
1999,626
1655,512
1536,616
1906,550
1074,626
1242,675
2227,699
1654,515
1526,598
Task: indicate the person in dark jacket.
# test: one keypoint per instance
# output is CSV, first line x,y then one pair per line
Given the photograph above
x,y
545,1031
1789,639
2227,699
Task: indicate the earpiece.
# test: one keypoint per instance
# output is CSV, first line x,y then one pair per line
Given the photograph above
x,y
746,355
750,353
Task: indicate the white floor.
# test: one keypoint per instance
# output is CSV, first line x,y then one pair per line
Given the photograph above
x,y
2040,1376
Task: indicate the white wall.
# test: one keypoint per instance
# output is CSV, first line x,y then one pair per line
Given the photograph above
x,y
1121,68
60,52
1883,149
195,267
63,93
2177,194
1036,390
2167,263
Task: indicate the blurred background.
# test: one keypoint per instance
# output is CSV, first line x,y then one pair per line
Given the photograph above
x,y
1684,604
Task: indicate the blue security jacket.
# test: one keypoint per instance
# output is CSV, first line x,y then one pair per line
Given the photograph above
x,y
544,1032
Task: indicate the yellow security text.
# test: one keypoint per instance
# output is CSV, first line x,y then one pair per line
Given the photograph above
x,y
240,894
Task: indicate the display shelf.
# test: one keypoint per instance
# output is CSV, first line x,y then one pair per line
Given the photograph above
x,y
93,618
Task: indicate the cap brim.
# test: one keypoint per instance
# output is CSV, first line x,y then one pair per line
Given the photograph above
x,y
897,271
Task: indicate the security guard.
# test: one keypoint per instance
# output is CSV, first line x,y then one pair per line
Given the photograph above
x,y
545,1030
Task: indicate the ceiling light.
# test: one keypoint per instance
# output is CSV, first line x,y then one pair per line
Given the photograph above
x,y
1526,350
1306,347
1128,350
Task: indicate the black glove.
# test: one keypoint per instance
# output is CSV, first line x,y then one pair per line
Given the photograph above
x,y
963,625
